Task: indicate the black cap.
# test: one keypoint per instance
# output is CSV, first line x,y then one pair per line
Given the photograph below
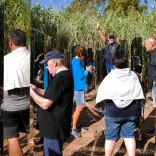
x,y
111,36
54,54
136,58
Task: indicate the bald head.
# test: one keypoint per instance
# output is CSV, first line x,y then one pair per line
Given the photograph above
x,y
152,40
150,44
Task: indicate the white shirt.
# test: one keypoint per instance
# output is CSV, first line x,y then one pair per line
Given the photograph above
x,y
122,86
17,69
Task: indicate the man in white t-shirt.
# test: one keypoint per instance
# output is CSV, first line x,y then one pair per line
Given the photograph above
x,y
16,91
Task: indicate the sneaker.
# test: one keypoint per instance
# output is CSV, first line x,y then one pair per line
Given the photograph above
x,y
75,133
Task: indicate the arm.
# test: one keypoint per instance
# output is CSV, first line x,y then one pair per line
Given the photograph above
x,y
78,70
39,100
39,91
103,38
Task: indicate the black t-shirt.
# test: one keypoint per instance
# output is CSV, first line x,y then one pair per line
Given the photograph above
x,y
138,69
152,68
58,117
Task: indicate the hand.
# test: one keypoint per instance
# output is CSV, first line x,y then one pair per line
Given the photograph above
x,y
89,68
31,91
33,86
98,26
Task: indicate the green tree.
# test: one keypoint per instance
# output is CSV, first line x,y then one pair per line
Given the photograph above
x,y
17,15
125,6
80,6
101,6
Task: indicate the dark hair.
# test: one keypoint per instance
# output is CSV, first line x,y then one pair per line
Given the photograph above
x,y
136,58
79,51
111,36
120,61
18,37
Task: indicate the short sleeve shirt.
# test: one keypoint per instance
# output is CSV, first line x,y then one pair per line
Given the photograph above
x,y
60,91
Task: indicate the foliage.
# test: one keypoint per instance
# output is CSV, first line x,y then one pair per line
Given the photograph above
x,y
80,6
1,41
81,28
101,6
1,27
68,29
46,22
125,6
17,15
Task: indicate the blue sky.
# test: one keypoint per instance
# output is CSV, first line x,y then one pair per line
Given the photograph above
x,y
57,3
150,3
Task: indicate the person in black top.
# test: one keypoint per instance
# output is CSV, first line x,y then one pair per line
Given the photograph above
x,y
112,48
150,45
38,81
40,74
55,105
137,67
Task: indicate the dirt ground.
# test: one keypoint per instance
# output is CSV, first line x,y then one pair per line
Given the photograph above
x,y
91,142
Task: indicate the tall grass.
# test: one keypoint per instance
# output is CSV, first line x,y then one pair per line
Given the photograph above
x,y
17,15
67,29
81,28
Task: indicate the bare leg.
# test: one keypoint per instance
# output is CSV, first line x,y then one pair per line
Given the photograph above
x,y
109,147
155,122
130,146
14,147
29,139
76,115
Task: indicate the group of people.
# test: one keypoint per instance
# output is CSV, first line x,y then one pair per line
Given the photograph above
x,y
58,99
121,89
